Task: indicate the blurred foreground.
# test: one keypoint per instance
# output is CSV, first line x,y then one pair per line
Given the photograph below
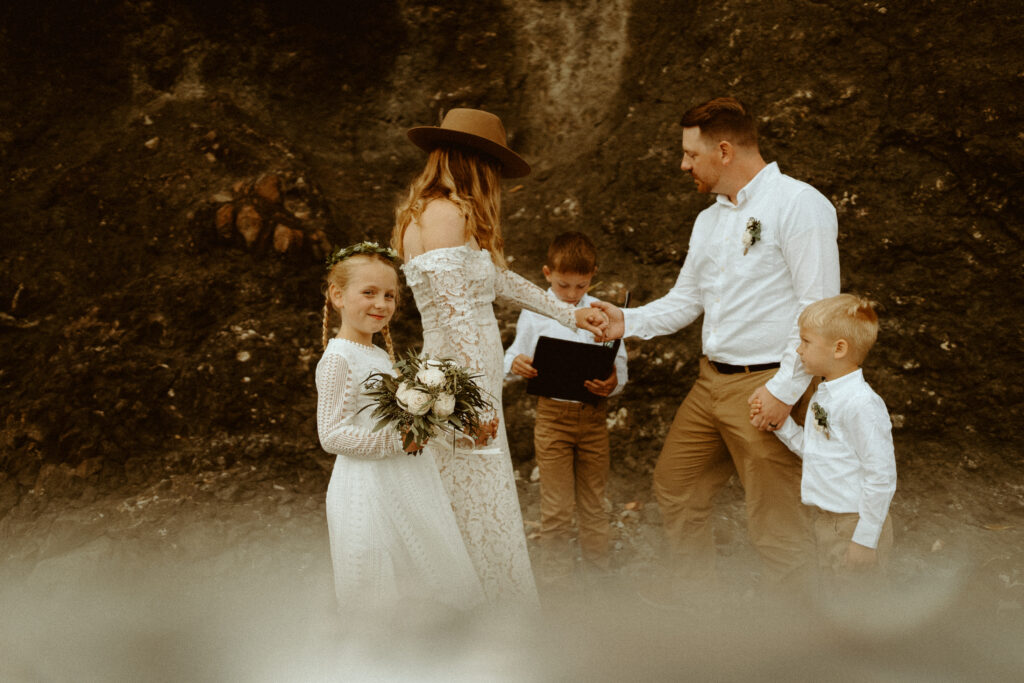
x,y
163,588
211,622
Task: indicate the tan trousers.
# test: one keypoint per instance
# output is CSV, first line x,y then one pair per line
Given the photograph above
x,y
571,443
832,534
711,438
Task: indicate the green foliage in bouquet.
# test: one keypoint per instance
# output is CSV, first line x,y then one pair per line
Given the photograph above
x,y
427,395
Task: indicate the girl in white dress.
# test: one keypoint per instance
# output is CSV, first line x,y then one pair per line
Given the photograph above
x,y
392,532
448,230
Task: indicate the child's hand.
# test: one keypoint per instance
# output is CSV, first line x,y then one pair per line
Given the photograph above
x,y
603,387
771,412
522,366
755,408
859,557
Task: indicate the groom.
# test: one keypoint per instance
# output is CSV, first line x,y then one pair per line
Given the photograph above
x,y
761,252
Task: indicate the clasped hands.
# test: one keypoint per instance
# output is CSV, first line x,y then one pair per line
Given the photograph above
x,y
767,413
602,319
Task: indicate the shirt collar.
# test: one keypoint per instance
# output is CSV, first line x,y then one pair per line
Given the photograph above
x,y
841,384
765,176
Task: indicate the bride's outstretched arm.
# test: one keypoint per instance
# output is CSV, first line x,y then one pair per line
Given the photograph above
x,y
517,289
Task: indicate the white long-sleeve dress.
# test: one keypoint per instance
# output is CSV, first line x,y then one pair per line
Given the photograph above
x,y
392,531
455,289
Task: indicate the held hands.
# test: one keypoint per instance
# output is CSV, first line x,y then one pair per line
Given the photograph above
x,y
767,413
522,365
616,326
593,321
603,387
755,407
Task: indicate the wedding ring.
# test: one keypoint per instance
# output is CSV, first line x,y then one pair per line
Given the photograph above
x,y
773,425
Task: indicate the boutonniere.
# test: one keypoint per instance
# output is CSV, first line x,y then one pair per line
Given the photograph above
x,y
751,235
821,419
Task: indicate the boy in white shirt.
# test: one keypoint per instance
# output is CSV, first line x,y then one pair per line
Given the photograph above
x,y
570,437
849,465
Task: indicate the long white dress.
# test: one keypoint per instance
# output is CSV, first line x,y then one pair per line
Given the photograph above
x,y
392,531
455,289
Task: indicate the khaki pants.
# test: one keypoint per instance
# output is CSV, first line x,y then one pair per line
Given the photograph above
x,y
832,534
711,438
571,443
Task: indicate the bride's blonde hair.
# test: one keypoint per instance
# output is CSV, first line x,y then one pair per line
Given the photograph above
x,y
470,181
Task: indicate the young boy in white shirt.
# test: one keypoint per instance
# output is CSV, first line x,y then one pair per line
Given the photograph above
x,y
570,437
849,465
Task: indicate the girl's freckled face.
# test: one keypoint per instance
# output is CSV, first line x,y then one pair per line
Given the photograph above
x,y
368,302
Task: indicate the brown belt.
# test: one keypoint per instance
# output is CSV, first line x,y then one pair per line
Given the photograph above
x,y
726,369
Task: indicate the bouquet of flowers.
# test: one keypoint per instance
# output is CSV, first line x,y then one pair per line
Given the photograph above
x,y
427,395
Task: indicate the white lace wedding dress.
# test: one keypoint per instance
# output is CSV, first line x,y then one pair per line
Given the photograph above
x,y
393,535
455,289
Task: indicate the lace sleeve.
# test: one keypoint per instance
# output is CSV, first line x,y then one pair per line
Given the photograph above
x,y
341,430
519,290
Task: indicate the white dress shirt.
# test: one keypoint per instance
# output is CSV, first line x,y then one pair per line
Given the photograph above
x,y
751,300
853,469
532,326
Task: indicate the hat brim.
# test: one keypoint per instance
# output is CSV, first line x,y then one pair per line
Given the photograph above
x,y
429,138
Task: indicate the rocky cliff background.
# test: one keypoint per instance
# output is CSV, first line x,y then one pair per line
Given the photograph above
x,y
172,173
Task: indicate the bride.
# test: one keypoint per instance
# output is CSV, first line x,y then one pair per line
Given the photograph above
x,y
448,231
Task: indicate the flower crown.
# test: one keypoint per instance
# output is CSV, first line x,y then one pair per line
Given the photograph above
x,y
362,248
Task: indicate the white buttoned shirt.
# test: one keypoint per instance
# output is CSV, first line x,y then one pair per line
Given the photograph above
x,y
850,464
531,326
751,300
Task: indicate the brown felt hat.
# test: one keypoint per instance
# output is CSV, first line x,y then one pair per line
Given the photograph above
x,y
473,128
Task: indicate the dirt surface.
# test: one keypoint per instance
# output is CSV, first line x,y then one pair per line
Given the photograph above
x,y
225,575
171,174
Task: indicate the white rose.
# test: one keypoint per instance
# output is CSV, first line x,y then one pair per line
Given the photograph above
x,y
418,403
402,391
429,377
412,400
444,405
748,238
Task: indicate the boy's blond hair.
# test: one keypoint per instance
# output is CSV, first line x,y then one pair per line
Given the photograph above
x,y
846,316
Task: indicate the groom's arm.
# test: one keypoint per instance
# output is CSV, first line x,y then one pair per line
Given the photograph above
x,y
672,312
